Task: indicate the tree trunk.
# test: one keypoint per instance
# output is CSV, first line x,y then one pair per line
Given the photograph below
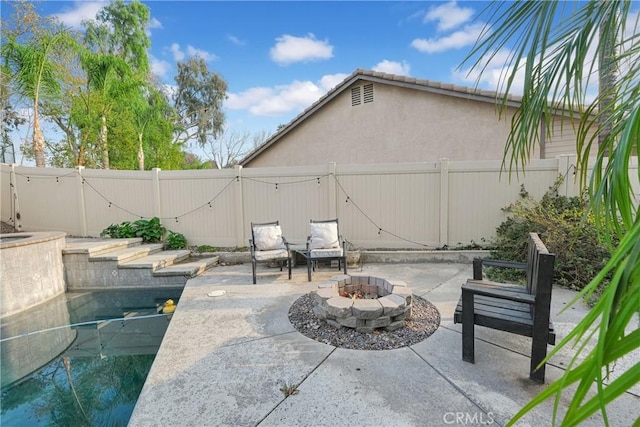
x,y
140,153
38,140
103,143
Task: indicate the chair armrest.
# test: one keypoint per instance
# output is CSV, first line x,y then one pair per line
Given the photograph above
x,y
286,244
478,263
476,287
504,264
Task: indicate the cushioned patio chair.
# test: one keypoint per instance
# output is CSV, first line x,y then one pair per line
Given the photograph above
x,y
267,244
325,244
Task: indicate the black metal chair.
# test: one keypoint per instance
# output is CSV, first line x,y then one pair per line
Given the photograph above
x,y
268,245
325,244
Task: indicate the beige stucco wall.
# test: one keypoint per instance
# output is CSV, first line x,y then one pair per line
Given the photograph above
x,y
400,125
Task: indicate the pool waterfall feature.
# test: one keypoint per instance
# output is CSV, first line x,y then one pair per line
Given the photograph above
x,y
32,269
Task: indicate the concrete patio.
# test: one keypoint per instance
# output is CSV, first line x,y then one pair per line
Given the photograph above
x,y
224,359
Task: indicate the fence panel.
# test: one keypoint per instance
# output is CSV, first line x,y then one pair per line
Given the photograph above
x,y
292,195
47,199
200,205
112,197
478,192
389,206
409,205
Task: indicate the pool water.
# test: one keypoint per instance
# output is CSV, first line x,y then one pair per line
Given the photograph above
x,y
80,359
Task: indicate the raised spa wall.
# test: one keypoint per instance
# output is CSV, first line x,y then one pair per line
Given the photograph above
x,y
32,269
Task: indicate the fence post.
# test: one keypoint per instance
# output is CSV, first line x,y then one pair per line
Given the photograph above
x,y
155,184
332,184
82,205
15,200
444,202
240,224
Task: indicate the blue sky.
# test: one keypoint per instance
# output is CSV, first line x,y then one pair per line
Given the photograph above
x,y
278,57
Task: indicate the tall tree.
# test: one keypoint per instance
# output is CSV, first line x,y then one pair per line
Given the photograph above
x,y
198,101
557,48
120,30
35,76
152,113
111,79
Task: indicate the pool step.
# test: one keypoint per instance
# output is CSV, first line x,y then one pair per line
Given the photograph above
x,y
128,263
95,247
128,253
156,260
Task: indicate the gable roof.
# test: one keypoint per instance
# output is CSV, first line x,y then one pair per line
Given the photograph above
x,y
383,78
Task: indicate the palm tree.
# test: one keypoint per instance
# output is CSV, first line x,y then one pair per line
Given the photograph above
x,y
34,75
557,49
110,79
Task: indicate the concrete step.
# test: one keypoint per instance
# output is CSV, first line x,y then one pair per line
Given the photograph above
x,y
156,261
86,246
128,253
189,269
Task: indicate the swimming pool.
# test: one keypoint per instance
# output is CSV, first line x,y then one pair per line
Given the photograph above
x,y
81,358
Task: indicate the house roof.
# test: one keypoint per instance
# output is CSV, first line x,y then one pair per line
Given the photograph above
x,y
383,78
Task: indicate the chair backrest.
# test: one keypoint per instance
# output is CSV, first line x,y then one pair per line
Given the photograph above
x,y
324,234
540,265
266,235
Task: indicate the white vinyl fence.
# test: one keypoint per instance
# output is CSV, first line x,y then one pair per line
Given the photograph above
x,y
406,205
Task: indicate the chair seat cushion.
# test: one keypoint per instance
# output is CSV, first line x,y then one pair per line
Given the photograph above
x,y
268,237
326,253
324,235
272,254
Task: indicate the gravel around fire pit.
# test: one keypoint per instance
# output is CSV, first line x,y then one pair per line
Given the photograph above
x,y
424,321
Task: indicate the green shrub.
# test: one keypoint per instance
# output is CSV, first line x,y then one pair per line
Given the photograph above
x,y
176,240
123,231
565,229
150,230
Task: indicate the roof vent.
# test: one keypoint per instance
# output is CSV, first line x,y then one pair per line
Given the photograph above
x,y
356,97
368,93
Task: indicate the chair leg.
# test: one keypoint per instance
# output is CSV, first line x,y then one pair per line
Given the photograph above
x,y
289,264
253,269
468,350
309,268
344,265
538,354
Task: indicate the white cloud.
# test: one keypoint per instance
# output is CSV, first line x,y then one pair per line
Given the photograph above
x,y
179,54
449,15
192,51
235,40
159,67
330,81
456,40
494,74
282,99
82,10
155,24
393,67
289,49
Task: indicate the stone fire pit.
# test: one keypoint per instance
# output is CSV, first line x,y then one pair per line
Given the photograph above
x,y
363,303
